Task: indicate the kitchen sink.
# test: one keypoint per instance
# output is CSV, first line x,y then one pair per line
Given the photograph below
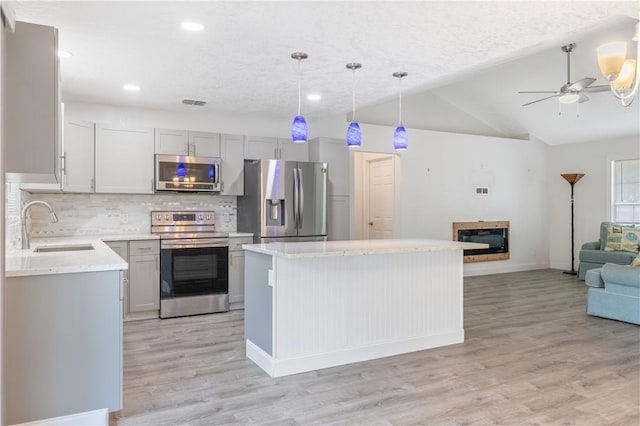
x,y
67,247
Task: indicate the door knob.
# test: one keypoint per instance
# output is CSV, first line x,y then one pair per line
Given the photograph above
x,y
370,223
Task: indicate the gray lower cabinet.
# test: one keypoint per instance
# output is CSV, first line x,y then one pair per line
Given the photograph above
x,y
142,283
236,271
63,352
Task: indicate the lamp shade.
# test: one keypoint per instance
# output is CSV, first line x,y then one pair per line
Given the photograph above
x,y
611,56
354,135
299,129
572,177
400,139
625,78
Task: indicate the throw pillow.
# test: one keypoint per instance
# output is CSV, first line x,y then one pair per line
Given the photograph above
x,y
614,238
630,239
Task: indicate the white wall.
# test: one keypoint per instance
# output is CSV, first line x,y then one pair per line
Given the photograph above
x,y
591,193
439,173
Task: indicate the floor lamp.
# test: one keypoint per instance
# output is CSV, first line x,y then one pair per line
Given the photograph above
x,y
572,178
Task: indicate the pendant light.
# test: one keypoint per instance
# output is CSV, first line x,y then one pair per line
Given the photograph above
x,y
400,138
354,134
299,125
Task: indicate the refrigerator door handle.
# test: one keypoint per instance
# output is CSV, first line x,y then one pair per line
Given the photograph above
x,y
300,197
295,197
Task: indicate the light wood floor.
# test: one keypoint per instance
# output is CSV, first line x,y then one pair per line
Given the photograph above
x,y
531,356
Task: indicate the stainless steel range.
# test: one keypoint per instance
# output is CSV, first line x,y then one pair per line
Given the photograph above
x,y
194,268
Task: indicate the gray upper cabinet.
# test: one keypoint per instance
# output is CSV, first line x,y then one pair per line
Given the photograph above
x,y
124,160
33,104
78,156
184,142
232,168
266,148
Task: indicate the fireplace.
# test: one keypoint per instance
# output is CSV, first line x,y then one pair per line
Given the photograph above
x,y
496,234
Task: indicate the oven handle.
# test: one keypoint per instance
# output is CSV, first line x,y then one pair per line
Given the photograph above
x,y
191,243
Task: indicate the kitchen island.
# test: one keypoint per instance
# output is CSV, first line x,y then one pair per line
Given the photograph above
x,y
314,305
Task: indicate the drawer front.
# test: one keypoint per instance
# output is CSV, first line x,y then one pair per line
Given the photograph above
x,y
138,248
235,243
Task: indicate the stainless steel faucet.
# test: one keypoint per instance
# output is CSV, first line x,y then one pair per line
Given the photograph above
x,y
26,242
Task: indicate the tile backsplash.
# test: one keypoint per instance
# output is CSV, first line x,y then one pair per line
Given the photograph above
x,y
103,214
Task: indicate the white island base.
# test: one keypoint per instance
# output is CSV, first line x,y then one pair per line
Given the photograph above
x,y
321,304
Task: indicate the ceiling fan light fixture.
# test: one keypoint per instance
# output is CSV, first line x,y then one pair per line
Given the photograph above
x,y
611,57
625,78
622,73
569,98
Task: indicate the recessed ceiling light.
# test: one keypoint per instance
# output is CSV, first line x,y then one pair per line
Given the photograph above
x,y
314,97
64,54
131,87
192,26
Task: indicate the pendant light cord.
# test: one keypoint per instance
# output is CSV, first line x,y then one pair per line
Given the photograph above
x,y
400,103
299,85
353,115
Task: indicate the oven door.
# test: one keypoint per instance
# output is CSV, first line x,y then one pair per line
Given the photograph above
x,y
188,271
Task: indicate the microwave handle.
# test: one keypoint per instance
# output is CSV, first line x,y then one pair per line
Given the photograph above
x,y
217,173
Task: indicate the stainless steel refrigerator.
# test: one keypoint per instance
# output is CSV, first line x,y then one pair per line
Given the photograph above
x,y
284,201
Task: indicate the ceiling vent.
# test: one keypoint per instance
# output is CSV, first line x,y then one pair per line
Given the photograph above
x,y
194,102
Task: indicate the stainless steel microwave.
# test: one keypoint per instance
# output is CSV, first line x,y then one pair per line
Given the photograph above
x,y
187,173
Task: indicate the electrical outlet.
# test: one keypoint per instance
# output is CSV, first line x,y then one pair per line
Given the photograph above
x,y
124,218
226,217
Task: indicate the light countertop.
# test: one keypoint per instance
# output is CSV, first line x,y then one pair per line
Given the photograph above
x,y
358,247
26,262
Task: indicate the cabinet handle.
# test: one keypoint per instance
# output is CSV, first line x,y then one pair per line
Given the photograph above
x,y
280,153
93,185
275,153
63,163
230,260
151,185
193,149
222,186
156,259
186,148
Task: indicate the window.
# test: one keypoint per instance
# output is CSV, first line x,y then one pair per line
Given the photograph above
x,y
625,191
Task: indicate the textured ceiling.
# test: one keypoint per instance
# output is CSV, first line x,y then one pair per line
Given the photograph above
x,y
241,61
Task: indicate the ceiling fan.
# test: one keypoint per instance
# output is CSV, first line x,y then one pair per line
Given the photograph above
x,y
571,92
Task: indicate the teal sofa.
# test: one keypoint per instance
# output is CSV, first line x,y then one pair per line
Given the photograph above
x,y
593,254
614,292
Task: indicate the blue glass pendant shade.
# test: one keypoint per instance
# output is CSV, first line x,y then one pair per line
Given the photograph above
x,y
354,135
182,171
299,129
400,139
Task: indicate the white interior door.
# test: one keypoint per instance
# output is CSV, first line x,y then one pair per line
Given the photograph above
x,y
379,198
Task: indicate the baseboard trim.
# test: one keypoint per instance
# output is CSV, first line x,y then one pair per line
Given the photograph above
x,y
284,367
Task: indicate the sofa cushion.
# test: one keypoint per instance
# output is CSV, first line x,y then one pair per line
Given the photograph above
x,y
602,257
636,261
621,274
593,278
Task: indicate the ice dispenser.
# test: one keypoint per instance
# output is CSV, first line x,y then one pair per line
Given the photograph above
x,y
274,212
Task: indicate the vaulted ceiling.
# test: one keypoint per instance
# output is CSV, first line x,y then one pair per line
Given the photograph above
x,y
466,60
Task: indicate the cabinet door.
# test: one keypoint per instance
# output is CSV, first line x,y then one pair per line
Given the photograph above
x,y
124,160
232,168
144,282
78,156
260,148
338,218
172,142
236,276
203,144
33,104
287,150
122,249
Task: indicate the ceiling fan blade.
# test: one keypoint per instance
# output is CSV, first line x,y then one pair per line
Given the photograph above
x,y
539,100
582,98
541,91
581,84
602,88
